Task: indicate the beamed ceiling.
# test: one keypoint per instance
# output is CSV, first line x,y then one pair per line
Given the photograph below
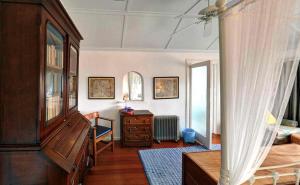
x,y
141,24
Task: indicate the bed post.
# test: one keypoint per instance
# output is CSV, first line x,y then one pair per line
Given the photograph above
x,y
224,178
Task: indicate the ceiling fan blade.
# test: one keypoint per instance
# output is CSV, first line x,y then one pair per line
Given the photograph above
x,y
188,10
207,28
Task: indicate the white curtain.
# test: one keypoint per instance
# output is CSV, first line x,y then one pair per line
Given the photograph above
x,y
259,60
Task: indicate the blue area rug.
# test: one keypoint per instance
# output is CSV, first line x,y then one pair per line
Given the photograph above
x,y
164,166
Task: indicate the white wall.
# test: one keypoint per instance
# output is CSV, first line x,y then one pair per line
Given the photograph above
x,y
149,64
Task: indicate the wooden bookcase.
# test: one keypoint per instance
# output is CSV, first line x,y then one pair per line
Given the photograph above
x,y
43,137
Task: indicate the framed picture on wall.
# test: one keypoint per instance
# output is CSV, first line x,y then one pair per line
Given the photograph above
x,y
166,87
101,87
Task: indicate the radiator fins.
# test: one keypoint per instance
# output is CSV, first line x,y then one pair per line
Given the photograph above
x,y
166,128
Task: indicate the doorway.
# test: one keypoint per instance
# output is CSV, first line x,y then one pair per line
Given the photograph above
x,y
200,76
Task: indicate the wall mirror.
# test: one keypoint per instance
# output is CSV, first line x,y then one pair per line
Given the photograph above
x,y
133,87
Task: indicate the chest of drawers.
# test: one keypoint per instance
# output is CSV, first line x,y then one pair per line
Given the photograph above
x,y
136,129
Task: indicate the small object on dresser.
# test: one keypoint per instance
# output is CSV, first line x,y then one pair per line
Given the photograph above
x,y
126,99
128,111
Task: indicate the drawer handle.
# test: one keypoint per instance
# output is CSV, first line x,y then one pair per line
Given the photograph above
x,y
132,128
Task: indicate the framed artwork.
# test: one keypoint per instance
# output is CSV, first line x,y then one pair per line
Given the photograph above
x,y
101,87
166,87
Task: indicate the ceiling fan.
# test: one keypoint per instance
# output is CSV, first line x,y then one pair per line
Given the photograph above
x,y
205,15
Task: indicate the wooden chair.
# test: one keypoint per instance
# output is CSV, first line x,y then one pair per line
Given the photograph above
x,y
99,133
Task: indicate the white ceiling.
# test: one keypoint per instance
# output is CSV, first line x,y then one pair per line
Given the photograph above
x,y
141,24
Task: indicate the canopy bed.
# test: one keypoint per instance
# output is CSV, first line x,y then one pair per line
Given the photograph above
x,y
259,57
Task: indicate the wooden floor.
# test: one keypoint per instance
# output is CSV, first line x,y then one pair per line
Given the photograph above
x,y
123,166
216,139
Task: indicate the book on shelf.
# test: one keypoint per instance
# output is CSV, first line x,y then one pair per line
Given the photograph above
x,y
72,100
54,56
53,107
54,83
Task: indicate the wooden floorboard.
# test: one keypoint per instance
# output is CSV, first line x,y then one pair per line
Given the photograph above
x,y
123,166
216,138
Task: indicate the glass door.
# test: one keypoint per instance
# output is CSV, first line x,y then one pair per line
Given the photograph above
x,y
73,77
54,73
199,102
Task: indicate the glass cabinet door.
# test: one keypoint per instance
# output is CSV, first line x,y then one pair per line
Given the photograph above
x,y
54,73
73,77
